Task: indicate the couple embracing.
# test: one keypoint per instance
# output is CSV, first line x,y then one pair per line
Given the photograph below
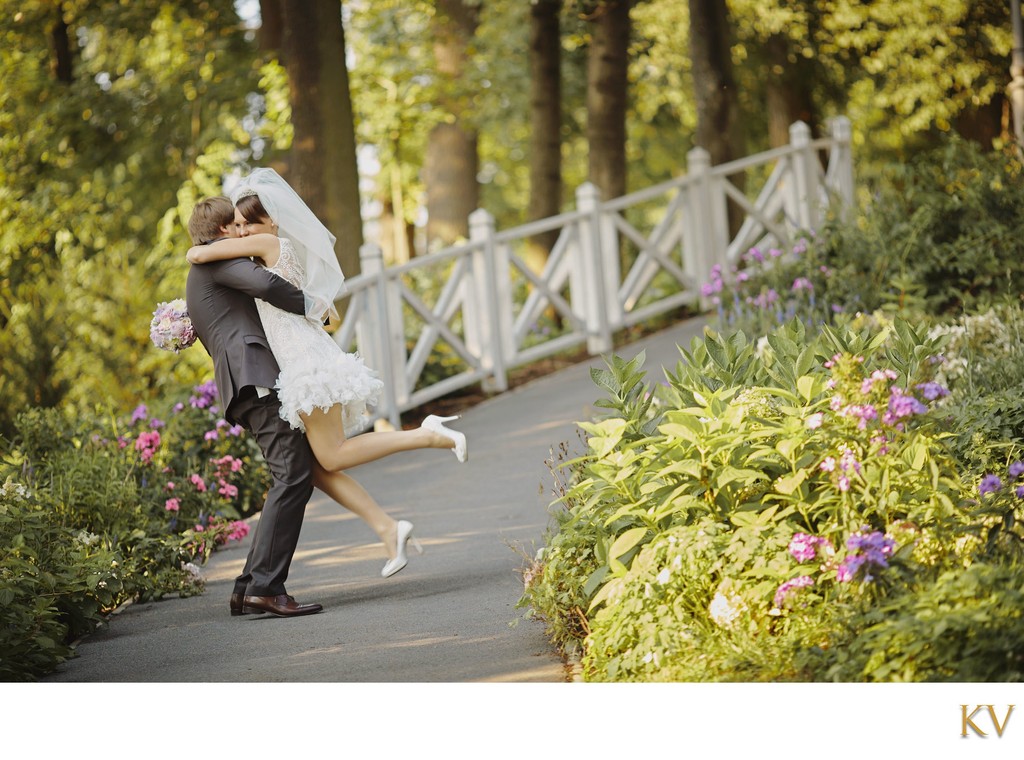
x,y
263,284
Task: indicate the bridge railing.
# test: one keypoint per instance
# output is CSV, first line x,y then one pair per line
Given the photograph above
x,y
472,312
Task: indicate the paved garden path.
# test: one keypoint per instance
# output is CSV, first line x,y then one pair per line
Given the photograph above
x,y
448,617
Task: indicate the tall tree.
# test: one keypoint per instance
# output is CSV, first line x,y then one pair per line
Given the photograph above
x,y
607,95
451,163
788,90
324,170
271,26
714,86
546,122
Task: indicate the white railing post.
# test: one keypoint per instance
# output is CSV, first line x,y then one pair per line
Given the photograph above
x,y
488,296
805,174
380,332
705,220
841,163
588,274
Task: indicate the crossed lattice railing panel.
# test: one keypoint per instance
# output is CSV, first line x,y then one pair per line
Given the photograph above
x,y
470,313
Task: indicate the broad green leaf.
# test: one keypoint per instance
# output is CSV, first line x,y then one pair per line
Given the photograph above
x,y
805,385
787,485
627,541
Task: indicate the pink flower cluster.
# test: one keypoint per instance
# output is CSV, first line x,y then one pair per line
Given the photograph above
x,y
146,444
789,587
804,547
848,465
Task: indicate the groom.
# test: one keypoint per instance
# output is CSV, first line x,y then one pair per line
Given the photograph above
x,y
220,303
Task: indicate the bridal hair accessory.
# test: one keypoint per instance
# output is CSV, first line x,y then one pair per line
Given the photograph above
x,y
313,242
171,328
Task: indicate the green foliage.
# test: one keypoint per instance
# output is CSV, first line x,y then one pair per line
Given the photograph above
x,y
757,517
941,236
97,511
983,367
92,157
54,584
963,626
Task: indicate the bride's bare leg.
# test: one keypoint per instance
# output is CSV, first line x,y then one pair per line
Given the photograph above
x,y
353,497
335,452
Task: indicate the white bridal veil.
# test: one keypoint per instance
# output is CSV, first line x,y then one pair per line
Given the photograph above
x,y
314,243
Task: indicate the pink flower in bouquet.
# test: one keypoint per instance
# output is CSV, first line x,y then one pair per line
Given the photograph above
x,y
171,328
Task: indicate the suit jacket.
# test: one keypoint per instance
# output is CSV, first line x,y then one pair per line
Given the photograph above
x,y
220,303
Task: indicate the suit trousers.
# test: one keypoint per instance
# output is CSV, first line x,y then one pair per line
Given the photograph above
x,y
290,460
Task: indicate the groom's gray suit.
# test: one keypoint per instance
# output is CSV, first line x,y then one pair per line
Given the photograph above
x,y
220,303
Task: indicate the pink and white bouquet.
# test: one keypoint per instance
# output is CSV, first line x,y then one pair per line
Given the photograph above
x,y
171,328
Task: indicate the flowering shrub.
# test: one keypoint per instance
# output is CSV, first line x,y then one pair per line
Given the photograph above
x,y
768,288
97,512
754,523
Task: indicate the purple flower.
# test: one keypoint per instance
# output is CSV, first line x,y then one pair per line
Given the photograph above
x,y
1020,492
205,395
139,413
211,435
989,484
868,551
848,461
902,405
155,423
932,390
1016,469
802,283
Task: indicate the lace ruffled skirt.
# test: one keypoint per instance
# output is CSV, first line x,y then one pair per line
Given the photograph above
x,y
316,373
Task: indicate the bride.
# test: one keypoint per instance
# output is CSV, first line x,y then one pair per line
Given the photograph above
x,y
323,390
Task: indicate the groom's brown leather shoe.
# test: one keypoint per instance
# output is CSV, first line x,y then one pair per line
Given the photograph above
x,y
236,604
282,604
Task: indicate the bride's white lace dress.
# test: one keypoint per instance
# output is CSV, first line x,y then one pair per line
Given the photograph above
x,y
315,372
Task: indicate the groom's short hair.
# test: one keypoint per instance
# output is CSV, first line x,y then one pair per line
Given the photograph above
x,y
209,215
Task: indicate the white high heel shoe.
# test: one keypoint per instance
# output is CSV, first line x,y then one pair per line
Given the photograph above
x,y
404,536
436,425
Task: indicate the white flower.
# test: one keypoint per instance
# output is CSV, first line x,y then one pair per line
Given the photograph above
x,y
192,570
86,539
725,610
664,575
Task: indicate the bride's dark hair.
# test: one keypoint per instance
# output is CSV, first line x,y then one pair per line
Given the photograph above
x,y
251,207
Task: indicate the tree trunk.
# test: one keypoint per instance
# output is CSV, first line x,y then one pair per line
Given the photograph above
x,y
451,163
713,82
323,161
546,126
718,112
787,91
61,43
983,124
607,96
271,32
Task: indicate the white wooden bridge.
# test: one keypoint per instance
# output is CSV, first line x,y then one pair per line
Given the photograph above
x,y
491,313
